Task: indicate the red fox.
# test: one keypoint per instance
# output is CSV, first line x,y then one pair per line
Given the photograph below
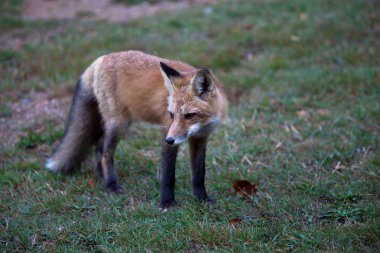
x,y
122,87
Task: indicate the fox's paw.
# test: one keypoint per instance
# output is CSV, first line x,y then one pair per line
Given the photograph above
x,y
165,206
210,202
113,188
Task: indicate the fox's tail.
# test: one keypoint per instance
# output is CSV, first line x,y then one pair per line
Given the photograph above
x,y
83,129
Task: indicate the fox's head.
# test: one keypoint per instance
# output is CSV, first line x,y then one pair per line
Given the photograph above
x,y
194,104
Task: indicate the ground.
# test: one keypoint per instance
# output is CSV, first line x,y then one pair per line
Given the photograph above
x,y
100,9
303,129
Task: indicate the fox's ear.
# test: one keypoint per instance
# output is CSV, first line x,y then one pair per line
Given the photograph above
x,y
203,83
168,73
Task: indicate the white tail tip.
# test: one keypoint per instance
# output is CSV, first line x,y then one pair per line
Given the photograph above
x,y
51,165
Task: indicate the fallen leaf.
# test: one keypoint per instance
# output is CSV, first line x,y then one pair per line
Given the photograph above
x,y
244,188
303,16
302,114
91,183
323,112
235,221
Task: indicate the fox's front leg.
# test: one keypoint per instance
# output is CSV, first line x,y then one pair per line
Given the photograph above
x,y
198,156
169,157
111,136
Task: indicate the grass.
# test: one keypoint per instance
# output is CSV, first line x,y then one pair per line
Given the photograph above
x,y
304,81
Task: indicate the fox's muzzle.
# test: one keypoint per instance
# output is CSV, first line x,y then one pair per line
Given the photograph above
x,y
170,140
176,140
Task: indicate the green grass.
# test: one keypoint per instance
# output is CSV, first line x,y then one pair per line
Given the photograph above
x,y
304,126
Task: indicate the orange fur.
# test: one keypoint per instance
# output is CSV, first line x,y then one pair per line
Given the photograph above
x,y
129,86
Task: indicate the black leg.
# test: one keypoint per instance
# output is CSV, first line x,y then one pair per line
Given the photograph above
x,y
198,156
98,157
107,161
169,157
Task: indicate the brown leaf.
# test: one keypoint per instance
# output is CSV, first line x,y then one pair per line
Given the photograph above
x,y
303,16
244,188
235,221
323,112
91,183
302,114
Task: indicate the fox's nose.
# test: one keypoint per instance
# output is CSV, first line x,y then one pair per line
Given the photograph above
x,y
170,140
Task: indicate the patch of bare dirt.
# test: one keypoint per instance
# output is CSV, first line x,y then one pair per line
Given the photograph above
x,y
99,9
32,110
84,9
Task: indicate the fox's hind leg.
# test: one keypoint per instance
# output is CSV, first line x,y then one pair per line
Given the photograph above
x,y
111,138
98,157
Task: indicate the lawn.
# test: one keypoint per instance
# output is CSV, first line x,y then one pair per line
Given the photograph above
x,y
303,79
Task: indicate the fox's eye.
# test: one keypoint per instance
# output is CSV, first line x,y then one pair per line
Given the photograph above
x,y
171,115
189,115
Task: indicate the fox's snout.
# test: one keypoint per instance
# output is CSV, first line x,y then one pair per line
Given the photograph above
x,y
170,140
178,133
176,140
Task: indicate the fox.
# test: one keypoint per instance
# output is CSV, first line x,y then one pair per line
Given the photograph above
x,y
123,87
